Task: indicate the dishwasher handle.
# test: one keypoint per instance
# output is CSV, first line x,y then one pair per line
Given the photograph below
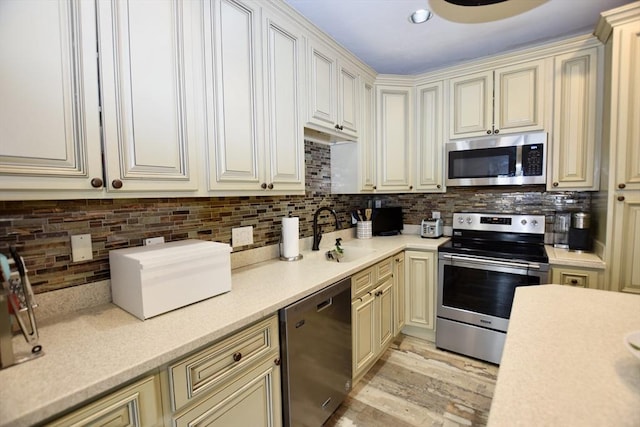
x,y
324,304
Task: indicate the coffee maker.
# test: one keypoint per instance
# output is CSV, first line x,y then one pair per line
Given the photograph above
x,y
579,233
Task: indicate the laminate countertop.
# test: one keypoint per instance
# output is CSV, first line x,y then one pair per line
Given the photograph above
x,y
96,350
565,362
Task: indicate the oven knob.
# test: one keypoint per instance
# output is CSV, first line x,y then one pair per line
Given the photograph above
x,y
461,220
523,222
469,220
534,223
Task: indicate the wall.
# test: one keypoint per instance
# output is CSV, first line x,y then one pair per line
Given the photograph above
x,y
41,230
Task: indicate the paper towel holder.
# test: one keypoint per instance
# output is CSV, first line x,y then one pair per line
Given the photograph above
x,y
284,258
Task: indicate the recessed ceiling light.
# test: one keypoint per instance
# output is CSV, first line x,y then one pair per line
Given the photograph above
x,y
420,16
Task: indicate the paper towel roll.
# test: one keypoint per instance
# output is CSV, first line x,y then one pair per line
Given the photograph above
x,y
290,236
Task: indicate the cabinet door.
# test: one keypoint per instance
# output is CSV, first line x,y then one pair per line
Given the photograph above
x,y
150,80
398,293
254,399
49,116
394,137
348,100
626,129
575,141
624,265
322,87
367,142
385,324
421,285
283,53
518,98
233,96
430,143
471,105
363,321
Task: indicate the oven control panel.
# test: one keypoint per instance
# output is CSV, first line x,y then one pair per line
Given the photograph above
x,y
508,223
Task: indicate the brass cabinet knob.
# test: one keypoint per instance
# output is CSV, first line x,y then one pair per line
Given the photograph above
x,y
438,186
497,131
411,187
574,281
263,185
270,186
555,184
117,184
622,186
96,182
621,198
237,356
489,132
277,361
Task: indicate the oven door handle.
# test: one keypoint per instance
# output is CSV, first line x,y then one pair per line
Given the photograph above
x,y
493,262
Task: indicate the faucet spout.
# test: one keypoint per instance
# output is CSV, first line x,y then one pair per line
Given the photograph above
x,y
317,232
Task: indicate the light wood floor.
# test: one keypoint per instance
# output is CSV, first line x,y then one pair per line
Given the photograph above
x,y
415,384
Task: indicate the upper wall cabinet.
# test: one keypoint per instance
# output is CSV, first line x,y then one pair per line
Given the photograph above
x,y
149,68
394,137
49,119
253,84
576,132
505,100
430,138
333,94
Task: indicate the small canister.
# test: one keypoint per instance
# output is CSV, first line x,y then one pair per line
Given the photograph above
x,y
580,220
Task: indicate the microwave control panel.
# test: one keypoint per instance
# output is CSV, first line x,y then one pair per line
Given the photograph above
x,y
532,159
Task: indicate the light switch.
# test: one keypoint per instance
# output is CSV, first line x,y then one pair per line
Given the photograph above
x,y
81,248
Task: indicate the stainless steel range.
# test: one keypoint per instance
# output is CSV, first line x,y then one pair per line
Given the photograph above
x,y
488,257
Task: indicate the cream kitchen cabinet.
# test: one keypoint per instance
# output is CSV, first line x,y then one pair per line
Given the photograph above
x,y
429,170
254,82
333,92
577,277
575,140
394,137
372,315
233,382
145,50
506,100
619,219
367,139
420,295
136,405
49,118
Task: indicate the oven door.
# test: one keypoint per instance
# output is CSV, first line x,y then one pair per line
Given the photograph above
x,y
480,291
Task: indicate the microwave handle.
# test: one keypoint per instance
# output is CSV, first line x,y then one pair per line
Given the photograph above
x,y
519,171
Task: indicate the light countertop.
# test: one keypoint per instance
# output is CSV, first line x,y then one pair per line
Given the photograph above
x,y
565,257
564,361
95,350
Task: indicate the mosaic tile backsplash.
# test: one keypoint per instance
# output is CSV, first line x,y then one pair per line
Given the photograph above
x,y
41,230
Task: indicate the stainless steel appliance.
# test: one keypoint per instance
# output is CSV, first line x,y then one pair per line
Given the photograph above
x,y
579,233
315,336
488,257
506,160
431,228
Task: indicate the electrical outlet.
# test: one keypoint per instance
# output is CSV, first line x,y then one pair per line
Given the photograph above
x,y
242,236
378,203
81,248
153,240
435,214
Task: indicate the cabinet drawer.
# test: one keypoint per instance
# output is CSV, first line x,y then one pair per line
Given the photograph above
x,y
575,280
362,282
222,362
135,405
384,269
577,277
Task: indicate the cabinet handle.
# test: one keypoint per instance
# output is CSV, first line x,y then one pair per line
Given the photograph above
x,y
411,187
96,183
621,198
270,186
489,132
555,184
497,131
117,184
438,186
277,361
574,281
263,185
375,187
237,356
622,186
339,127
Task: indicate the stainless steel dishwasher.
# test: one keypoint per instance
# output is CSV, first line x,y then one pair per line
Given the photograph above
x,y
315,336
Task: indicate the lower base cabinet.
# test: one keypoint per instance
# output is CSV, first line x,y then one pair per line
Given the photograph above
x,y
577,277
374,313
138,404
421,277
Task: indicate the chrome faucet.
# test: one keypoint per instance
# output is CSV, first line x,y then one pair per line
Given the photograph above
x,y
317,231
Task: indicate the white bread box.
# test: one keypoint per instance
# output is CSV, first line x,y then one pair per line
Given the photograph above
x,y
150,280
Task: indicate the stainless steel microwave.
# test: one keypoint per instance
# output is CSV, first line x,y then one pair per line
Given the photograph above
x,y
505,160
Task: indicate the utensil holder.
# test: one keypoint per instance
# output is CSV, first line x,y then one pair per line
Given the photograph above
x,y
364,230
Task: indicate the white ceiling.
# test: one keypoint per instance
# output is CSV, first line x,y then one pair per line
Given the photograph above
x,y
379,33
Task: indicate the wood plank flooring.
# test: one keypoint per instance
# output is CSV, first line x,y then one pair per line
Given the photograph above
x,y
415,384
